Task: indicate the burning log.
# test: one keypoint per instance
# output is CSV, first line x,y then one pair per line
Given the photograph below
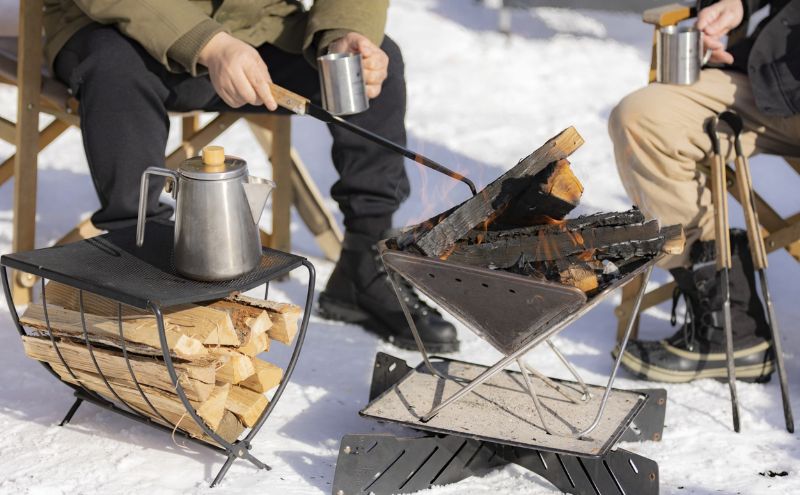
x,y
225,383
437,236
517,224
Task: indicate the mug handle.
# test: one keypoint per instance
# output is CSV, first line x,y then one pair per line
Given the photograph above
x,y
706,57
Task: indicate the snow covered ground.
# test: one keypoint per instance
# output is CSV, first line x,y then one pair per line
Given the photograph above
x,y
478,101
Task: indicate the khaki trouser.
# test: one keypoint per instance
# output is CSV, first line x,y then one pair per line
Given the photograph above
x,y
659,141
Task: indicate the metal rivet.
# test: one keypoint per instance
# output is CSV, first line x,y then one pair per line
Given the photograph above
x,y
661,402
30,106
652,476
340,492
347,449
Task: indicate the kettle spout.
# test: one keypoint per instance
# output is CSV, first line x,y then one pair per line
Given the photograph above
x,y
257,191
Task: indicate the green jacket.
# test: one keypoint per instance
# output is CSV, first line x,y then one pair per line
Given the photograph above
x,y
174,31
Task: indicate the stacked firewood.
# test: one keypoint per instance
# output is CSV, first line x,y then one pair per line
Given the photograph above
x,y
517,224
214,347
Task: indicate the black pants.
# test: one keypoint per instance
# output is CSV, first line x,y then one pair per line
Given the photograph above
x,y
125,95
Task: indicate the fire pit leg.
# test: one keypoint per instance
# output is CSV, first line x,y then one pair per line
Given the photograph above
x,y
586,394
637,303
534,396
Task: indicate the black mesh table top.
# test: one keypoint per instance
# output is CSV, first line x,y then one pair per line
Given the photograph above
x,y
112,266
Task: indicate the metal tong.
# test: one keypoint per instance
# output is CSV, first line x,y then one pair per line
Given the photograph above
x,y
758,251
301,105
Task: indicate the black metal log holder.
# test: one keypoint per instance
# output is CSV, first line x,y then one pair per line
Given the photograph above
x,y
113,267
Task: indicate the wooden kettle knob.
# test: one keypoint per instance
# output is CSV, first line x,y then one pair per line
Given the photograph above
x,y
214,158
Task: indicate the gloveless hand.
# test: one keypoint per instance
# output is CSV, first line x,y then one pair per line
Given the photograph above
x,y
715,21
238,73
374,61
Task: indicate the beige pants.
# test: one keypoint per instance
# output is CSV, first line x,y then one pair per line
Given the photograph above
x,y
659,140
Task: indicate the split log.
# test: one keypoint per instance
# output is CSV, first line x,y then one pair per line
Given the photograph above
x,y
284,316
258,343
550,194
266,377
197,381
437,236
577,274
249,322
169,405
620,241
236,366
102,329
213,409
246,404
210,326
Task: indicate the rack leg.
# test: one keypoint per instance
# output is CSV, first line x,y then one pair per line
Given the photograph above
x,y
224,470
71,412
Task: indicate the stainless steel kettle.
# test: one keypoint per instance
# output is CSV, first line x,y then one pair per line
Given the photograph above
x,y
216,217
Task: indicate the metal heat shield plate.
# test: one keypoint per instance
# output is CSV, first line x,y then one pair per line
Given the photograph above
x,y
501,410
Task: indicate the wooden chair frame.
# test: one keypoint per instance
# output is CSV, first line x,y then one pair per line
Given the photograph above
x,y
778,232
272,132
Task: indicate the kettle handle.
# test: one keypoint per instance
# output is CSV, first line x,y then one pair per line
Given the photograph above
x,y
164,172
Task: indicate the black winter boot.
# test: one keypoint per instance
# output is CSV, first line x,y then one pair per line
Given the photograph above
x,y
697,350
359,291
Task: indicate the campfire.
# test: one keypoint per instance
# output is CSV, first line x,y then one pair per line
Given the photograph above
x,y
517,224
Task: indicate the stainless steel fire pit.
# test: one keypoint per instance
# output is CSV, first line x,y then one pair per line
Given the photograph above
x,y
513,313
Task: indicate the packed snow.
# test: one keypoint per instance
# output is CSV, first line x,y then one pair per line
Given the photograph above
x,y
478,101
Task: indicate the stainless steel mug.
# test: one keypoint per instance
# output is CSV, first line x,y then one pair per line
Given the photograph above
x,y
679,55
342,83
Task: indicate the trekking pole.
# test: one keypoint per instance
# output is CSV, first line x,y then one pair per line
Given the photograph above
x,y
719,195
744,182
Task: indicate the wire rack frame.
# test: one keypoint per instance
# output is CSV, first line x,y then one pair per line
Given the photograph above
x,y
237,449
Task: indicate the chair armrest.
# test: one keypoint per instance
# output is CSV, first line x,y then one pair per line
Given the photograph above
x,y
668,15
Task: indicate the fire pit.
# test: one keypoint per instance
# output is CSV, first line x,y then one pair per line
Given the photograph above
x,y
508,266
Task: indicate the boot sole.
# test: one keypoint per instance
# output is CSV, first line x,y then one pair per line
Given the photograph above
x,y
757,373
331,310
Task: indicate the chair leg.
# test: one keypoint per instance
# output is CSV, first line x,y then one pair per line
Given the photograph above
x,y
304,193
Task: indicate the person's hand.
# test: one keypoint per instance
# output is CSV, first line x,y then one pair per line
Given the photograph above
x,y
374,61
238,73
715,21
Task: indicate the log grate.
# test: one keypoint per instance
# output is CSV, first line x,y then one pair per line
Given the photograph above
x,y
110,266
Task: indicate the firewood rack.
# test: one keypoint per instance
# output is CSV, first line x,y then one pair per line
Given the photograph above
x,y
513,313
112,266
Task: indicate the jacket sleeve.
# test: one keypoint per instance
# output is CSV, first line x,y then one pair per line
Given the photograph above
x,y
331,19
173,31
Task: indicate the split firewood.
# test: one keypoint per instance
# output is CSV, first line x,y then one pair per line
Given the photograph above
x,y
266,377
437,236
213,408
550,194
248,321
620,241
235,365
284,316
197,380
70,323
578,274
246,404
258,343
164,402
210,326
